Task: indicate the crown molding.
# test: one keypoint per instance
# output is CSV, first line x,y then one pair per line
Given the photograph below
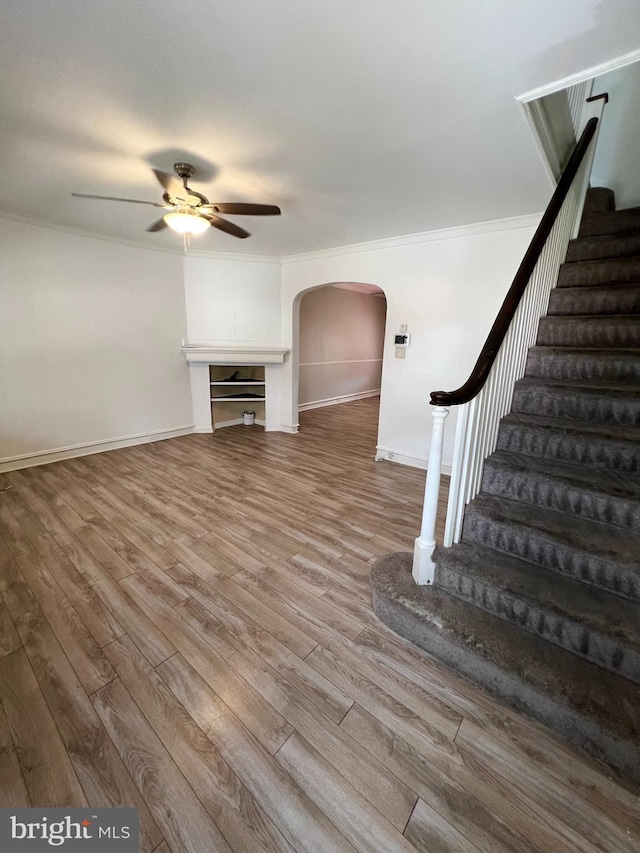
x,y
580,76
528,220
91,235
137,244
486,227
231,256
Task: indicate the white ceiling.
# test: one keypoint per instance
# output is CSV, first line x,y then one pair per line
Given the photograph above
x,y
362,119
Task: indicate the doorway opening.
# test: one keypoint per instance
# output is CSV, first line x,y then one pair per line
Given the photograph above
x,y
340,344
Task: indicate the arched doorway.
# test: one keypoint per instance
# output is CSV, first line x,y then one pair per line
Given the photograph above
x,y
338,345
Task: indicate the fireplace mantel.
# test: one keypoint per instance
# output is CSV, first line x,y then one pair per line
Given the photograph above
x,y
235,354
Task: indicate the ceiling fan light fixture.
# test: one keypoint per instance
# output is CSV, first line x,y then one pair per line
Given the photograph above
x,y
185,222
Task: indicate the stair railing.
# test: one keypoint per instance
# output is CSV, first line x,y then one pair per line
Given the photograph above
x,y
486,396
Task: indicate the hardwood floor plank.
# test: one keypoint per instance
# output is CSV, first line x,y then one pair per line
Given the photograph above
x,y
234,600
240,819
358,821
36,503
289,634
475,804
319,690
309,609
301,822
15,590
417,727
260,717
384,791
104,554
96,618
87,659
48,775
177,811
129,530
430,833
104,778
150,640
13,792
124,502
13,533
9,639
138,561
555,798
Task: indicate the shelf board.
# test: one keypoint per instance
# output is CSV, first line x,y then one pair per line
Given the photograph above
x,y
237,398
246,382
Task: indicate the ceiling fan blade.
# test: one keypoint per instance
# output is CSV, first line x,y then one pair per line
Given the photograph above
x,y
113,198
245,209
170,184
158,225
223,225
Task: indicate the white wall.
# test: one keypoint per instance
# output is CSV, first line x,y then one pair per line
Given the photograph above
x,y
341,341
617,162
232,300
90,333
447,291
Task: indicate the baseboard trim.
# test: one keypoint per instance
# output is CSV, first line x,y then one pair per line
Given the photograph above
x,y
334,401
388,454
291,429
44,457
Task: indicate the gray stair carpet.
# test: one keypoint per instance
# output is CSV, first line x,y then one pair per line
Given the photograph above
x,y
540,601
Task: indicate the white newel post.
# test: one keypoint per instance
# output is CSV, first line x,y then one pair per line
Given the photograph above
x,y
423,567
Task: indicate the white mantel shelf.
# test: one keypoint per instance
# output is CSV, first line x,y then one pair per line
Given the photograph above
x,y
226,353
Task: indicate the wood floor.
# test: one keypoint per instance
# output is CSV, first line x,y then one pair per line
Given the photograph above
x,y
186,627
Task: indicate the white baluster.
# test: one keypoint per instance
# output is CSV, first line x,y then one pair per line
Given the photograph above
x,y
423,566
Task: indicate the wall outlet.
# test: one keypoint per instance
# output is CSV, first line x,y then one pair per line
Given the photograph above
x,y
401,352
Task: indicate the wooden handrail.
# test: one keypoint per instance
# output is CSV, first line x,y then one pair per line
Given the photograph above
x,y
483,365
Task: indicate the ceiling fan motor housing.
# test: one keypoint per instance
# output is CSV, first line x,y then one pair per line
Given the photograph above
x,y
184,170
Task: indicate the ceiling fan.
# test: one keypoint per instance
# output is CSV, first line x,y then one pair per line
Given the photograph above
x,y
188,211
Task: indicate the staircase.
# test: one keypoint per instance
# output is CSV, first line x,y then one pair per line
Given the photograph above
x,y
540,601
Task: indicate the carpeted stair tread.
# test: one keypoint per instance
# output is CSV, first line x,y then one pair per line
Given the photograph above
x,y
601,446
605,246
589,330
600,271
585,550
615,222
597,300
589,622
584,703
584,364
602,403
606,496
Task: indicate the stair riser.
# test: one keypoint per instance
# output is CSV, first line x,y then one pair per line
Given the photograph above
x,y
610,271
621,299
579,407
600,248
559,630
583,368
599,200
616,223
592,452
536,548
606,332
546,493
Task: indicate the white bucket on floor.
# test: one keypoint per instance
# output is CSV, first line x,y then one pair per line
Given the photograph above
x,y
248,418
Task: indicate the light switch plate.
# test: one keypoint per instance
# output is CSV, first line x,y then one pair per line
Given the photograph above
x,y
403,328
401,352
